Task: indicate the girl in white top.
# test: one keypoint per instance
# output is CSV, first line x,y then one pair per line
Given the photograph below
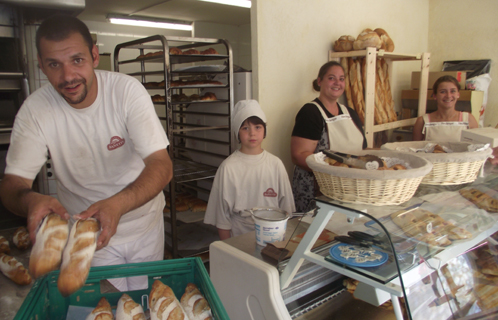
x,y
250,177
445,124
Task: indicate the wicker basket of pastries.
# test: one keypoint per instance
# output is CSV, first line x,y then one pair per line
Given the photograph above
x,y
453,162
387,186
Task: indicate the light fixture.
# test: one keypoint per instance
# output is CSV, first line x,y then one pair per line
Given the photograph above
x,y
238,3
149,22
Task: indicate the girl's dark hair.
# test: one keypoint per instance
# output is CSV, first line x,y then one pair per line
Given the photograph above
x,y
323,70
445,79
60,27
255,121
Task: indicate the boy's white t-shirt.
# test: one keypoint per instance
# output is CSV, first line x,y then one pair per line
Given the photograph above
x,y
96,151
243,182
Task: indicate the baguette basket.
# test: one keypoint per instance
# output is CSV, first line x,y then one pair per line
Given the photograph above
x,y
373,187
458,167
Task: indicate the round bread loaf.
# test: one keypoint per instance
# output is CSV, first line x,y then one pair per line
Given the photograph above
x,y
386,41
367,38
344,43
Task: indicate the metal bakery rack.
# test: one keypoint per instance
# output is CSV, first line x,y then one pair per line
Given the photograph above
x,y
198,130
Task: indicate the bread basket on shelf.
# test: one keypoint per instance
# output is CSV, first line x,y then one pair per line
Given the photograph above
x,y
374,187
456,167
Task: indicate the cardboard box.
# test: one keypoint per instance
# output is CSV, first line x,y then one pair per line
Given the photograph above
x,y
481,135
461,76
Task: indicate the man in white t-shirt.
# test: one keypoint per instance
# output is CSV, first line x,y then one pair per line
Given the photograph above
x,y
106,143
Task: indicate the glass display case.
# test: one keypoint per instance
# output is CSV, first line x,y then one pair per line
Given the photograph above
x,y
435,253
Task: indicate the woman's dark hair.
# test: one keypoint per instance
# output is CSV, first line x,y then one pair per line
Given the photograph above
x,y
60,27
323,70
255,121
445,79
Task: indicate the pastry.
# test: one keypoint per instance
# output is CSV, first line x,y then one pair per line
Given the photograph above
x,y
14,270
209,51
78,255
21,238
367,38
386,41
102,311
191,51
438,149
128,309
174,50
208,96
51,238
344,43
163,303
480,199
398,167
4,245
194,304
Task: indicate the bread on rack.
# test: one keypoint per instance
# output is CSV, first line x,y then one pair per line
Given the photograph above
x,y
197,205
344,43
383,71
14,270
102,311
163,303
174,50
380,101
78,255
51,238
347,83
128,309
209,51
356,88
194,304
21,238
4,245
367,38
386,41
191,51
208,96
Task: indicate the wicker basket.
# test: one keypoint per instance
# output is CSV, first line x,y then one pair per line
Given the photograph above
x,y
460,166
374,187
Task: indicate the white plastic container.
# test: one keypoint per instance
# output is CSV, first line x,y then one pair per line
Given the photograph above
x,y
270,224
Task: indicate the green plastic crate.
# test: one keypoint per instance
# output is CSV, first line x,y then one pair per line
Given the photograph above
x,y
44,300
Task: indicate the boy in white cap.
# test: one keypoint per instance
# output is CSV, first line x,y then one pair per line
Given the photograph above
x,y
250,177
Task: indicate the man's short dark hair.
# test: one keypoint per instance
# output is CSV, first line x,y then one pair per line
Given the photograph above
x,y
60,27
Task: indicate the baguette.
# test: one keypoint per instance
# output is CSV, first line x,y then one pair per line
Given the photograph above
x,y
357,88
383,71
163,303
347,82
14,270
194,304
4,245
51,238
128,309
78,255
380,102
102,311
21,238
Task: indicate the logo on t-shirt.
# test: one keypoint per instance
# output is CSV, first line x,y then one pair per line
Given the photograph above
x,y
270,193
116,142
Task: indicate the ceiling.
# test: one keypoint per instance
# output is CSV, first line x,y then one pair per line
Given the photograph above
x,y
189,10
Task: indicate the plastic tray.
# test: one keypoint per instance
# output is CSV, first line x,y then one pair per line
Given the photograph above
x,y
45,302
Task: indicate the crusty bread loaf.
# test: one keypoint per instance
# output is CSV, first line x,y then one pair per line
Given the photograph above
x,y
383,71
191,51
4,245
344,43
14,270
102,311
357,88
367,38
386,41
194,304
21,238
128,309
380,102
163,303
174,50
347,82
78,255
51,238
209,51
208,96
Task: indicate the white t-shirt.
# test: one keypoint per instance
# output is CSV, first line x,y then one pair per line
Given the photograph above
x,y
244,182
95,151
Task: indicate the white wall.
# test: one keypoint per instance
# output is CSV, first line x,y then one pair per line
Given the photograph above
x,y
291,39
466,30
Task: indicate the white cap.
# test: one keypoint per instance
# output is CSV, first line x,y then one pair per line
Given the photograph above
x,y
245,109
